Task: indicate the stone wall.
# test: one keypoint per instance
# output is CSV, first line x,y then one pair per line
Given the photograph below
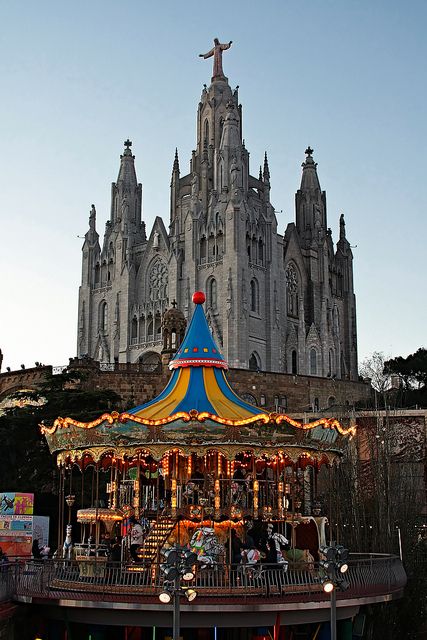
x,y
11,381
136,385
297,393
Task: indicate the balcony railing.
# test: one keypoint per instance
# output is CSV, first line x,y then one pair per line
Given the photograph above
x,y
370,577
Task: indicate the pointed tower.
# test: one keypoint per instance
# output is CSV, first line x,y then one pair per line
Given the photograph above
x,y
344,290
126,194
91,251
107,273
310,204
224,231
174,186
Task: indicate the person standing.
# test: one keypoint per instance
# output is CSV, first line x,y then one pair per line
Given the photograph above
x,y
136,537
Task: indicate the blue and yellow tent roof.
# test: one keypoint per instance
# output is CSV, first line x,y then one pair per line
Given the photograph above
x,y
198,383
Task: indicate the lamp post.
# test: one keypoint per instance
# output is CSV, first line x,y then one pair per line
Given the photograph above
x,y
70,500
335,566
178,566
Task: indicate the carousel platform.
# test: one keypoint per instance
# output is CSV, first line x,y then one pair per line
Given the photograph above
x,y
267,589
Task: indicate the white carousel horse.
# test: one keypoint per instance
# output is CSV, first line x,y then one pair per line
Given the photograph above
x,y
280,542
67,549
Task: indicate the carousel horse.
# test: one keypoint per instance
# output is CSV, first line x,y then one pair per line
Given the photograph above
x,y
67,549
280,542
209,550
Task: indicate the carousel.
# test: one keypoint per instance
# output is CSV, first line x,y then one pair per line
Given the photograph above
x,y
196,463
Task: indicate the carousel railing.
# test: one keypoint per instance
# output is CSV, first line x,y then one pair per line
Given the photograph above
x,y
97,578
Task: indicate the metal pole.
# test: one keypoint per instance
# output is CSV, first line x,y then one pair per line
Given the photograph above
x,y
333,614
400,543
176,596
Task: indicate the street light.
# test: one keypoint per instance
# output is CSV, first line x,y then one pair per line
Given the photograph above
x,y
335,566
178,565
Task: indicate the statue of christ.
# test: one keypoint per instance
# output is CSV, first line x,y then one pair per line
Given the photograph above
x,y
216,52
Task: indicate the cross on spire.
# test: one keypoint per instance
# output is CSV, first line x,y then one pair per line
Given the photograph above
x,y
127,143
309,151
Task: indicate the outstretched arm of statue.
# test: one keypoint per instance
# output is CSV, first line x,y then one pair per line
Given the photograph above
x,y
224,47
208,54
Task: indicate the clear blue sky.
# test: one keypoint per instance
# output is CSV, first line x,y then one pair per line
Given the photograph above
x,y
78,78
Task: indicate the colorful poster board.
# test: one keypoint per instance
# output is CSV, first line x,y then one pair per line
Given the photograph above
x,y
16,535
16,503
18,525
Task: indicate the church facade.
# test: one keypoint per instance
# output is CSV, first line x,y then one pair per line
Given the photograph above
x,y
281,303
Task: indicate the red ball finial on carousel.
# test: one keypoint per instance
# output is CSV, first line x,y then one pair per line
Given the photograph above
x,y
199,297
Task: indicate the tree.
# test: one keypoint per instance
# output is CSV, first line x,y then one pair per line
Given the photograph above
x,y
411,370
27,464
373,368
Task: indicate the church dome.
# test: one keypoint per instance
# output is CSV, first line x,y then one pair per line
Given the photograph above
x,y
173,317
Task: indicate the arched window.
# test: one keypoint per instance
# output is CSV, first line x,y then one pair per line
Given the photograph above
x,y
284,403
150,361
212,293
254,296
291,278
134,330
97,273
157,325
316,405
220,243
331,370
150,328
313,362
260,251
254,362
206,132
294,362
158,281
331,401
142,328
203,249
103,316
248,397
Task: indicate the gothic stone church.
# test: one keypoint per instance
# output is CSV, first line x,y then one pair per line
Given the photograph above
x,y
281,303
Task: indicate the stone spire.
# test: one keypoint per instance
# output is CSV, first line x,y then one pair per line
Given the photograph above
x,y
310,203
309,179
127,174
176,163
174,186
126,193
266,172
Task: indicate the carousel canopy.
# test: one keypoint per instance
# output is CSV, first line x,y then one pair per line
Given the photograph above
x,y
198,381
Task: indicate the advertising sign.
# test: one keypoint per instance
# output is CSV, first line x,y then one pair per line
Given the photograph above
x,y
16,503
